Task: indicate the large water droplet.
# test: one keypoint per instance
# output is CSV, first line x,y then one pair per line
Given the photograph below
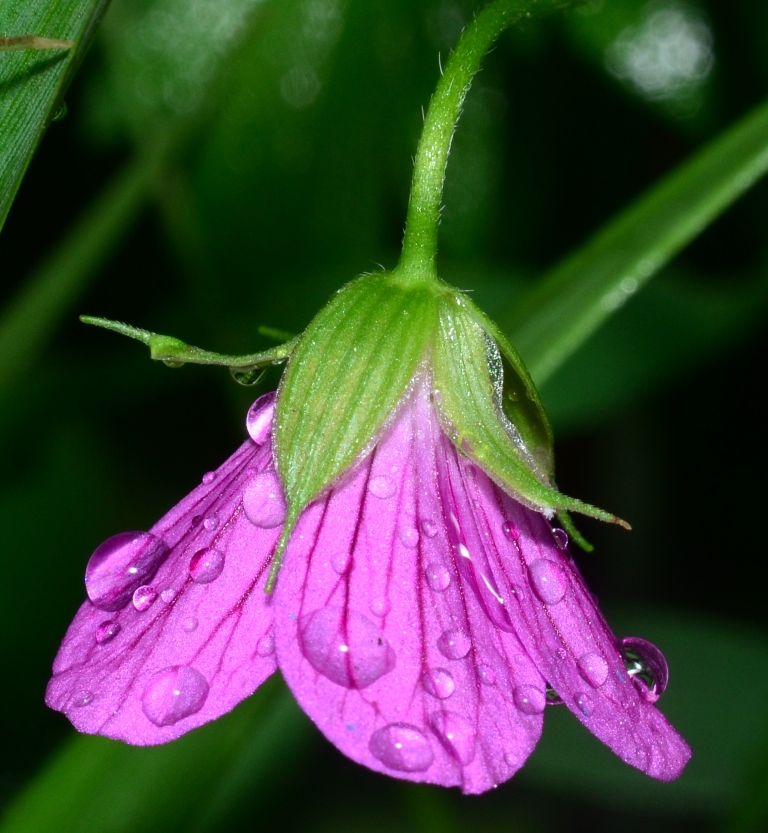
x,y
381,606
345,646
486,674
209,477
265,647
211,522
561,537
456,734
402,747
258,422
168,595
593,668
206,565
120,565
173,694
454,644
646,665
429,527
190,625
438,577
107,631
263,501
409,536
585,703
548,580
144,597
341,562
529,699
382,486
438,682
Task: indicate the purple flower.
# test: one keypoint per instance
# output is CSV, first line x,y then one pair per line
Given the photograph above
x,y
422,616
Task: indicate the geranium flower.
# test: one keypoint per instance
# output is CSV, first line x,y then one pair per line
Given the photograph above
x,y
426,610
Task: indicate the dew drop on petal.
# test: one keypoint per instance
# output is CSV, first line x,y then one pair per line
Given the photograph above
x,y
265,647
382,486
456,734
258,422
548,580
486,674
454,644
345,646
529,699
438,577
83,698
585,703
120,565
381,606
402,747
593,668
144,597
190,625
107,631
409,536
429,527
561,537
206,565
263,501
168,595
174,693
438,682
510,530
211,522
646,665
209,477
511,760
341,562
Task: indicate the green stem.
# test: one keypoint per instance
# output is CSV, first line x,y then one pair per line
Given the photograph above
x,y
417,262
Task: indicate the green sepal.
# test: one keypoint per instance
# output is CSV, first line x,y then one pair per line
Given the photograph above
x,y
467,398
346,376
176,353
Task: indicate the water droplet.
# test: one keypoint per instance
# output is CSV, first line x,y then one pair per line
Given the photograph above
x,y
83,698
107,631
429,528
402,747
646,665
585,703
561,537
263,501
173,694
209,477
258,422
345,646
382,486
265,647
195,520
211,522
561,653
438,682
486,674
438,577
206,565
144,597
168,595
61,112
341,562
529,699
120,565
454,644
548,580
409,536
510,530
593,668
456,734
381,606
553,698
190,624
511,760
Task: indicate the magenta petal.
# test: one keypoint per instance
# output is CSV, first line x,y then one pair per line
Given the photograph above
x,y
192,640
382,637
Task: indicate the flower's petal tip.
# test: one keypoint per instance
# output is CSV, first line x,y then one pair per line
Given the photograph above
x,y
147,663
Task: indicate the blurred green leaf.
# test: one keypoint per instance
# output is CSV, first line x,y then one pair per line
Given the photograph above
x,y
584,290
95,785
33,83
711,660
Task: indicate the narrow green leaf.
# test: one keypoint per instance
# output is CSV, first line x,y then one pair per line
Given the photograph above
x,y
33,81
579,294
